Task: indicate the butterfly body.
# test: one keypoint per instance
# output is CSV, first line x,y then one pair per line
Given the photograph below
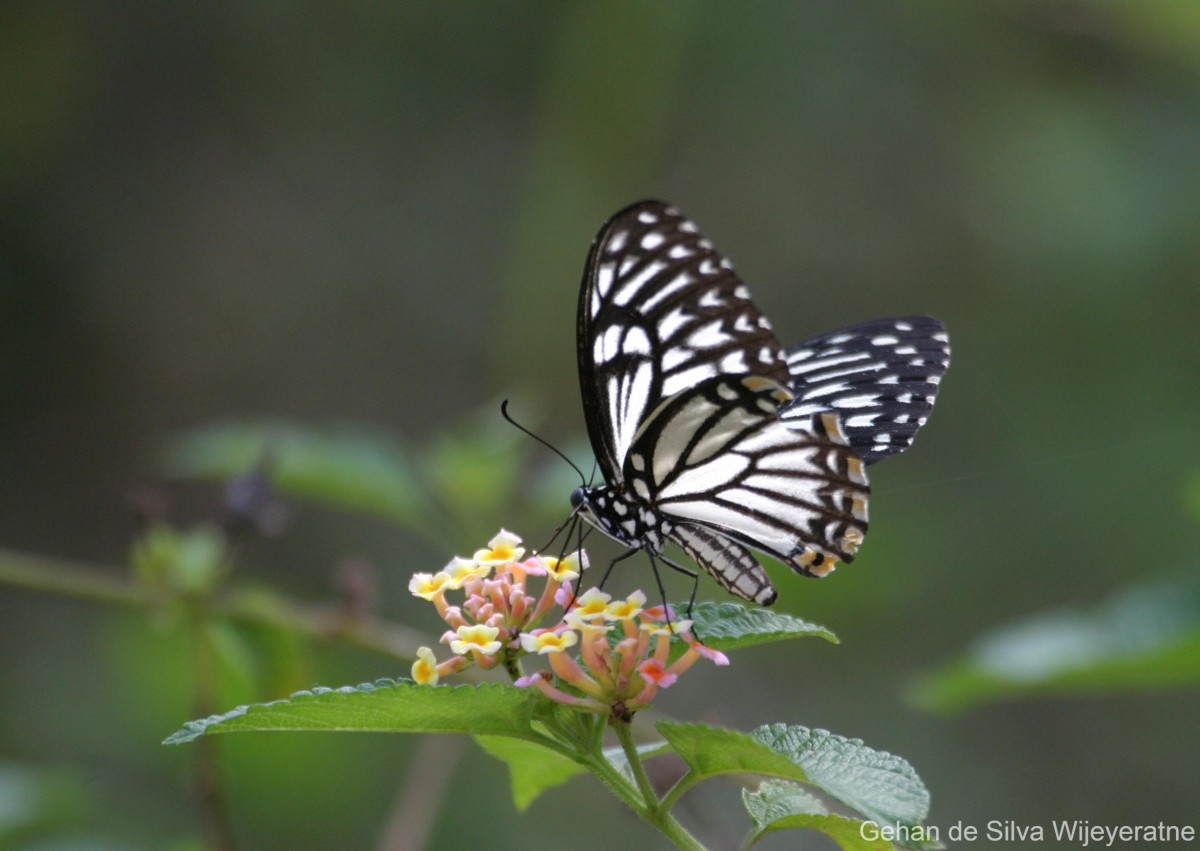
x,y
624,519
712,436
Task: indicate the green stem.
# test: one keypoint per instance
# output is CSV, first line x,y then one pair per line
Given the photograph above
x,y
676,792
625,735
655,811
102,584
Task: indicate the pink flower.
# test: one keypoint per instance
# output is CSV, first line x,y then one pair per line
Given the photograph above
x,y
653,672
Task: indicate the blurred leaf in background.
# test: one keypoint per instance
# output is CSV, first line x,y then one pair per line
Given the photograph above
x,y
1144,638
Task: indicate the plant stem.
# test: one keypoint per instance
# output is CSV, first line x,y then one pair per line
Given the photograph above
x,y
676,792
624,733
653,809
102,584
421,797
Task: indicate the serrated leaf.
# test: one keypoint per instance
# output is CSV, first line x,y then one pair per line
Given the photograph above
x,y
710,751
388,706
881,786
731,626
532,768
778,805
355,470
1142,638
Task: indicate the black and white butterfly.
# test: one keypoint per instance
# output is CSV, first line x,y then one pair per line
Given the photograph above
x,y
709,433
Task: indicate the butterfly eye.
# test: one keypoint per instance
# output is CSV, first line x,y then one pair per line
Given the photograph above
x,y
577,497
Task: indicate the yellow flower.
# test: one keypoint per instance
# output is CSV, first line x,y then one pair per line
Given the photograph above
x,y
679,627
463,570
501,549
429,586
545,641
478,637
628,608
591,605
424,670
567,568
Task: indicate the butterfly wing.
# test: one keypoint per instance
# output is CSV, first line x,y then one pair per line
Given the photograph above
x,y
731,564
880,377
718,462
659,311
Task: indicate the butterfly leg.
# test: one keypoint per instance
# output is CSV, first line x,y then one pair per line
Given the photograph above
x,y
568,524
613,563
679,568
604,578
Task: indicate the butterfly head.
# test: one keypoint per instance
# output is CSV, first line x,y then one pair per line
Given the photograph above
x,y
629,521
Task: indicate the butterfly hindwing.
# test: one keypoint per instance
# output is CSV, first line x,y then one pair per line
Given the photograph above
x,y
881,378
731,564
659,311
717,456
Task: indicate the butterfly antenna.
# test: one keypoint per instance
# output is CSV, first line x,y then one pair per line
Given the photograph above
x,y
545,443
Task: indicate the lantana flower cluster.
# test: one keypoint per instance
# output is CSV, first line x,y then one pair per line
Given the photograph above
x,y
623,648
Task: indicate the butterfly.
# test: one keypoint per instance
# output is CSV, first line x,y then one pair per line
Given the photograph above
x,y
708,433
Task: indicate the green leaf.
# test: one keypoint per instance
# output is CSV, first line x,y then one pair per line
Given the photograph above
x,y
1145,637
388,706
532,767
347,469
477,471
779,805
731,626
35,800
877,784
880,785
189,561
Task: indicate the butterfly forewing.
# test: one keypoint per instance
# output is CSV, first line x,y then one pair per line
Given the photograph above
x,y
880,377
717,456
660,311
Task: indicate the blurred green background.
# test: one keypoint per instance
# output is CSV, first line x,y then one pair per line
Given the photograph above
x,y
377,214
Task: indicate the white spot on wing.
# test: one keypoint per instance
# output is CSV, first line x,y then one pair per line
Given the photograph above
x,y
683,279
652,240
671,323
734,362
636,341
680,381
803,366
710,475
709,336
604,277
630,287
676,357
860,421
863,401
